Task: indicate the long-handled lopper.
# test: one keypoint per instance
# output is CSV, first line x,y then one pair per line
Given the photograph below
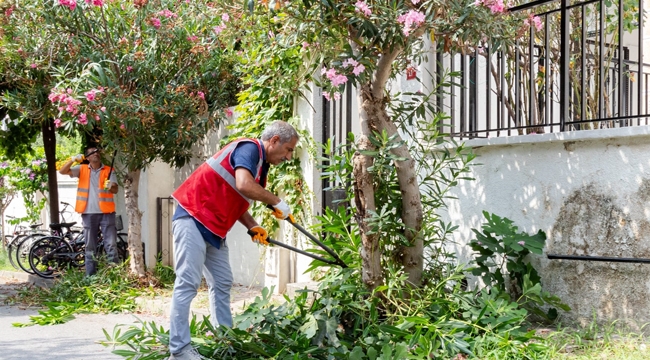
x,y
337,260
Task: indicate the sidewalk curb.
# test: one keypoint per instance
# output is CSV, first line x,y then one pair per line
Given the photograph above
x,y
26,278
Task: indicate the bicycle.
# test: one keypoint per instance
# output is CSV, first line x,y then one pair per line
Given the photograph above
x,y
51,255
20,233
24,244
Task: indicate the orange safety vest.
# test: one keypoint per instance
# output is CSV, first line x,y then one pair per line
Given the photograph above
x,y
106,203
210,194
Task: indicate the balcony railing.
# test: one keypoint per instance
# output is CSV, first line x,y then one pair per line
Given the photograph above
x,y
583,70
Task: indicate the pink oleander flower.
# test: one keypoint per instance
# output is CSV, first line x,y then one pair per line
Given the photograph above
x,y
129,68
305,44
363,8
218,29
337,96
411,20
95,2
155,22
225,18
228,112
58,123
90,95
70,4
200,94
495,6
192,38
327,96
534,21
122,126
167,14
349,62
33,66
358,69
522,243
415,2
9,11
103,109
82,119
97,117
68,90
336,79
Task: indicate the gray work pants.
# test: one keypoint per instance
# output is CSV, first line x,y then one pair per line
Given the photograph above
x,y
193,256
92,223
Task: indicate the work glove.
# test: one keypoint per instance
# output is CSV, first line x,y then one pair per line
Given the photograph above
x,y
259,235
281,210
77,158
107,184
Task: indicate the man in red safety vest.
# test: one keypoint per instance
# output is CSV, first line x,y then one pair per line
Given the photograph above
x,y
211,200
95,203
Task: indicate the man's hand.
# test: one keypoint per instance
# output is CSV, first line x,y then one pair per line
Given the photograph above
x,y
107,184
78,158
258,235
281,210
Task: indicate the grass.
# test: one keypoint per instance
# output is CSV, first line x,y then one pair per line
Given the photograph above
x,y
4,261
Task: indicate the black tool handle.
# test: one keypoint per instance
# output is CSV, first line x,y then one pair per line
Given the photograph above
x,y
299,251
292,221
110,172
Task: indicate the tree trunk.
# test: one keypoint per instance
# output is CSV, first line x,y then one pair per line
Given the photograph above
x,y
411,257
49,144
131,184
364,197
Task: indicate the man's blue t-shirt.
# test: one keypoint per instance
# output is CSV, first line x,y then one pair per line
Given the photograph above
x,y
246,155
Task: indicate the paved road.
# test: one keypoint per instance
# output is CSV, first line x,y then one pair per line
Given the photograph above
x,y
75,340
79,339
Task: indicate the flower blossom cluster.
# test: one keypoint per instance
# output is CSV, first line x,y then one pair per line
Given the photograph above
x,y
9,11
495,6
356,67
167,14
95,2
362,7
92,94
534,21
155,22
411,20
66,103
70,4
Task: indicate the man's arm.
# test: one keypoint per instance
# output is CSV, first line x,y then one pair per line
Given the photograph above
x,y
246,185
247,220
65,169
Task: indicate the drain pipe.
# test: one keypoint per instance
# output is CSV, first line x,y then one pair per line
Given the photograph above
x,y
598,258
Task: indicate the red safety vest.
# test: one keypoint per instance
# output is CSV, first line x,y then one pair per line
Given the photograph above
x,y
210,194
106,203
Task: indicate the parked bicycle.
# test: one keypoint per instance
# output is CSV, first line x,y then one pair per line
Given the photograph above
x,y
20,234
19,254
52,255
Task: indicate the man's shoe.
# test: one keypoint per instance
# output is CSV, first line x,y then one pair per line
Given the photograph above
x,y
187,353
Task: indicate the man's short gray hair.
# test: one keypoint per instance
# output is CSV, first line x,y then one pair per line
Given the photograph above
x,y
282,129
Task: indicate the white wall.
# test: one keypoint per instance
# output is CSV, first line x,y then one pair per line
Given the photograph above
x,y
590,192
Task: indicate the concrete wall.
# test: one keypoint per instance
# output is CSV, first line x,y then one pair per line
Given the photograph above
x,y
590,192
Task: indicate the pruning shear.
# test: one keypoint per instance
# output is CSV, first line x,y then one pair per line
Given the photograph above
x,y
337,260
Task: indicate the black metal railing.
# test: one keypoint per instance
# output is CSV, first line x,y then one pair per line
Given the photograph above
x,y
583,70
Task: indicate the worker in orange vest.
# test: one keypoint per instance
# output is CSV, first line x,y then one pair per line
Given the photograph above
x,y
95,203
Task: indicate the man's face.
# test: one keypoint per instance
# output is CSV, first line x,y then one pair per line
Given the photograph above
x,y
277,152
92,154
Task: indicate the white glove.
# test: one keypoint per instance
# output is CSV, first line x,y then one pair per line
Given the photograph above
x,y
281,210
77,158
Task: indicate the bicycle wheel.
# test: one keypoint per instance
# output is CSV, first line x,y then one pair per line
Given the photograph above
x,y
122,247
22,252
11,250
49,256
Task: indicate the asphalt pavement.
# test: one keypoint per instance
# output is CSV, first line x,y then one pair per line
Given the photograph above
x,y
79,338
